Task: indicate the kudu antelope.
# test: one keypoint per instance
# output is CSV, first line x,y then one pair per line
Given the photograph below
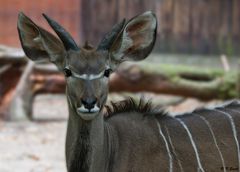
x,y
134,137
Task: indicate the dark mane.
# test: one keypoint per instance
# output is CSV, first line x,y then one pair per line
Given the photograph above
x,y
130,105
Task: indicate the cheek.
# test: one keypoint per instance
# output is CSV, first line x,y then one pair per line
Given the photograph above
x,y
104,91
102,87
74,87
105,86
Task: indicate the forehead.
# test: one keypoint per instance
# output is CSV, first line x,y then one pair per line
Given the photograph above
x,y
87,61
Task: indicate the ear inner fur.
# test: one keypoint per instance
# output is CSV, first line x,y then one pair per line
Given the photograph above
x,y
136,40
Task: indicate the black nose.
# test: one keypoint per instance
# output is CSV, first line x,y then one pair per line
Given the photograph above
x,y
89,103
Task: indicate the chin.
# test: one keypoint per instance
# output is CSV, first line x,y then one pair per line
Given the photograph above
x,y
88,116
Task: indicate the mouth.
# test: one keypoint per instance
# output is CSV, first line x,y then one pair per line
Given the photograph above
x,y
88,114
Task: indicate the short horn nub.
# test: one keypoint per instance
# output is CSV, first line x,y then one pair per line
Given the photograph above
x,y
65,37
110,37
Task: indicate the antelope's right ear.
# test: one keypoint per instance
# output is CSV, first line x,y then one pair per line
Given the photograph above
x,y
38,44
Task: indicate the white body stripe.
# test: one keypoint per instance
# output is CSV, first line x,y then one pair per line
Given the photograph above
x,y
234,133
234,111
214,139
174,152
167,147
200,168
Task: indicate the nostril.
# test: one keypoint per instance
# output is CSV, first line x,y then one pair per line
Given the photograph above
x,y
89,103
84,102
94,101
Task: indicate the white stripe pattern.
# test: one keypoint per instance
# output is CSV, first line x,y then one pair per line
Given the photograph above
x,y
214,139
200,168
234,111
167,147
173,149
87,76
234,133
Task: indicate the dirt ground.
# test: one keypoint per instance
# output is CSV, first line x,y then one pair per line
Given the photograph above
x,y
38,146
32,147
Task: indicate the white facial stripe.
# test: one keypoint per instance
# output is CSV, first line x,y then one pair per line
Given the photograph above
x,y
88,76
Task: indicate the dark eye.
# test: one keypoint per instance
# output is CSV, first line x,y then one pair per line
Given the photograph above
x,y
107,72
67,72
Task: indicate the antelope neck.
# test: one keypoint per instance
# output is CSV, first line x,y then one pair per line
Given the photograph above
x,y
87,143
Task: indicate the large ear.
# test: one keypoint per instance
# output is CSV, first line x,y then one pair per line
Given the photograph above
x,y
38,44
136,39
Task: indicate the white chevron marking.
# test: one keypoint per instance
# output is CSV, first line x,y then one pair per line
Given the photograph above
x,y
234,133
174,152
214,139
200,168
167,147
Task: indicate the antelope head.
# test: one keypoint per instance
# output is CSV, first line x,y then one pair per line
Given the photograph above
x,y
87,69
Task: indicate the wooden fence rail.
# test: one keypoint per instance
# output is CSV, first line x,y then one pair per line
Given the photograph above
x,y
186,26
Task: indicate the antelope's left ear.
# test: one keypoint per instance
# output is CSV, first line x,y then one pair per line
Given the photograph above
x,y
136,39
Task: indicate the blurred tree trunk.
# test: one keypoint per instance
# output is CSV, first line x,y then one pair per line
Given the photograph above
x,y
166,79
182,81
21,81
12,65
20,107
